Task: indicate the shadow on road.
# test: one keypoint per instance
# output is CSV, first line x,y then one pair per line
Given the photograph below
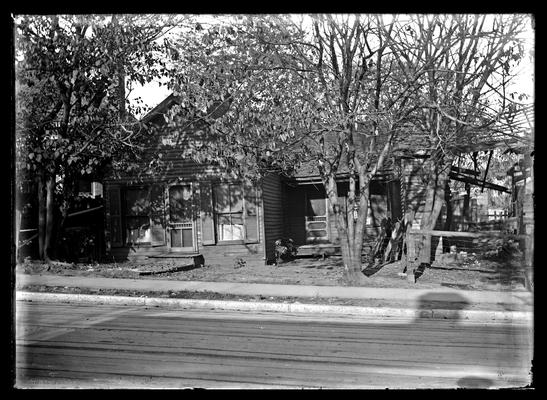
x,y
451,305
474,382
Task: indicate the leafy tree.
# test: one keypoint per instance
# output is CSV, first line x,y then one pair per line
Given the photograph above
x,y
463,99
272,93
72,117
275,92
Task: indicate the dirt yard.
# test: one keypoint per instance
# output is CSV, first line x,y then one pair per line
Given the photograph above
x,y
484,275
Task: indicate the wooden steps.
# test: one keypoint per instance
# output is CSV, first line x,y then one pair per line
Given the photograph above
x,y
321,250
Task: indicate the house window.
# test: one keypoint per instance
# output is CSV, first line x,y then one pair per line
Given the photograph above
x,y
96,189
137,219
144,215
229,212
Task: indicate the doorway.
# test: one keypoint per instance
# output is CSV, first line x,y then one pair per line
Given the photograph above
x,y
316,216
181,224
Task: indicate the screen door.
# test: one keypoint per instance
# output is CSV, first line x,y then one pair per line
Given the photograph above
x,y
181,221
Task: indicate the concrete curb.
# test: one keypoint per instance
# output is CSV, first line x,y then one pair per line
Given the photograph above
x,y
468,315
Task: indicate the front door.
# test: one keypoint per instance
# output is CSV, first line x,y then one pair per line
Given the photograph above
x,y
181,222
316,217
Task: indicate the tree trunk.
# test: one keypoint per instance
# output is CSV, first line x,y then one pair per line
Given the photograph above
x,y
439,175
41,215
449,215
61,250
350,248
355,274
50,201
345,248
353,262
68,194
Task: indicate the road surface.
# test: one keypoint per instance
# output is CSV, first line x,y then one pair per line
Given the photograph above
x,y
61,345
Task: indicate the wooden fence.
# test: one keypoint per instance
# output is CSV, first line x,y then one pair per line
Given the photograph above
x,y
429,238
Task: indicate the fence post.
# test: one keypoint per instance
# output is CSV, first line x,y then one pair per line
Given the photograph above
x,y
425,254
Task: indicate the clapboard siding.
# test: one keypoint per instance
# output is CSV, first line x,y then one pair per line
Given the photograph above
x,y
173,168
272,200
163,159
252,254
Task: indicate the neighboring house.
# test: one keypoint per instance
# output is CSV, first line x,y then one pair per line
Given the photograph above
x,y
26,220
522,184
185,209
83,233
90,188
523,202
83,229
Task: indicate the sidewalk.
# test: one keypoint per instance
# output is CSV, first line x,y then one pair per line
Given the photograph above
x,y
441,302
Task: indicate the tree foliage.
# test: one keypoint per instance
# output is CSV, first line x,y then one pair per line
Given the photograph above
x,y
72,116
463,99
279,92
469,62
68,73
338,91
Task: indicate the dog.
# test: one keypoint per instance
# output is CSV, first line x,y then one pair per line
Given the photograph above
x,y
284,250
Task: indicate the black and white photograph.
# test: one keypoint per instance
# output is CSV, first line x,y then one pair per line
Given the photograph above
x,y
273,201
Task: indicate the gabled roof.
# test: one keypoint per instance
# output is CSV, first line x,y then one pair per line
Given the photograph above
x,y
160,109
309,170
408,143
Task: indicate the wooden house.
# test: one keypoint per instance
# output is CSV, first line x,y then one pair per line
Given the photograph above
x,y
190,210
523,203
181,210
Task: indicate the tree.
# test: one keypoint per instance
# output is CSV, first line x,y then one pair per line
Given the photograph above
x,y
275,92
462,100
72,116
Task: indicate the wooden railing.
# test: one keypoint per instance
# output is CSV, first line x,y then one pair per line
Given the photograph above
x,y
424,237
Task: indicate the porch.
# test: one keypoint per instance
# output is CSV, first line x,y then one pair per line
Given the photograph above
x,y
309,220
319,250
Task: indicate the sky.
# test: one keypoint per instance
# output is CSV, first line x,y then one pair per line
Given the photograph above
x,y
152,93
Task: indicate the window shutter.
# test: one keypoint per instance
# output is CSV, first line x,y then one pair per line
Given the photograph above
x,y
157,217
251,214
207,214
115,217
